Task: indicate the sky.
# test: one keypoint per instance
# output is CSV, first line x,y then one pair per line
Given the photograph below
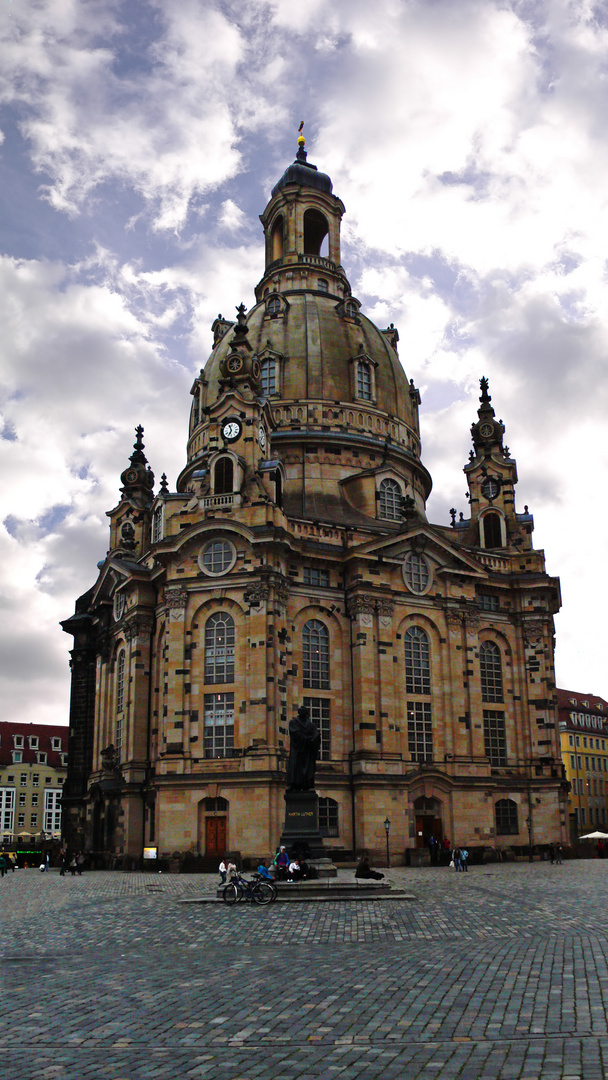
x,y
139,141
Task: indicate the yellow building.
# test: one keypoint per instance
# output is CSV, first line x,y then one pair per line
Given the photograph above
x,y
33,768
294,562
583,727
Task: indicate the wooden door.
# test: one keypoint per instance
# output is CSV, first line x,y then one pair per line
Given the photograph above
x,y
215,836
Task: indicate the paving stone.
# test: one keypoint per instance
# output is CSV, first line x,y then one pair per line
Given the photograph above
x,y
501,973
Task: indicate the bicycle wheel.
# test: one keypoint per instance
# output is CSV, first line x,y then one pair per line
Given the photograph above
x,y
230,894
262,893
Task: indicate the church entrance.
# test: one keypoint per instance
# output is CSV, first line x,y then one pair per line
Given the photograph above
x,y
215,836
213,828
427,821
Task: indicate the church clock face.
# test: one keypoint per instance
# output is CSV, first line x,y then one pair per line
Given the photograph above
x,y
490,488
262,438
232,428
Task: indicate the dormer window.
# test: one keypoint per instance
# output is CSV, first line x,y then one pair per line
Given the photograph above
x,y
17,757
350,309
268,372
389,500
273,306
364,380
41,757
18,741
33,741
55,744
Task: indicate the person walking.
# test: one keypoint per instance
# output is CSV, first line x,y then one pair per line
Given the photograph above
x,y
3,866
464,860
457,859
558,854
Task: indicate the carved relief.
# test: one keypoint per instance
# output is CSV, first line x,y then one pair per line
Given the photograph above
x,y
257,595
175,601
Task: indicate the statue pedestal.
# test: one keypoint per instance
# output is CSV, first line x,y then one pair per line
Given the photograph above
x,y
302,822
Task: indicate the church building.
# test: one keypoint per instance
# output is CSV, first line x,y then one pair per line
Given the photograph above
x,y
294,564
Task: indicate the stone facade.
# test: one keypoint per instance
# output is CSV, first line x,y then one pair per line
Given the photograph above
x,y
295,563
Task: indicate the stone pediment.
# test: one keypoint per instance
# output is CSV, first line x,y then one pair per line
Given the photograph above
x,y
113,574
422,540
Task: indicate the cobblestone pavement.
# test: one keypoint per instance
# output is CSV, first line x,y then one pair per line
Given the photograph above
x,y
498,974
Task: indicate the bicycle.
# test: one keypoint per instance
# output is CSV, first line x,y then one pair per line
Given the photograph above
x,y
261,892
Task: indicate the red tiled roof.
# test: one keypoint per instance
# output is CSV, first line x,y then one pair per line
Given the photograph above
x,y
44,732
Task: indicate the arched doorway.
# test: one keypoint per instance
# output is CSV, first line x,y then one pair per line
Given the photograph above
x,y
427,813
213,827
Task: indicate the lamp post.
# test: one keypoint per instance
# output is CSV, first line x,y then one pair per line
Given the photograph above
x,y
529,827
387,827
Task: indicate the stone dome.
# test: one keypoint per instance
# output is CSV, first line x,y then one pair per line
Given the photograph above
x,y
304,174
319,346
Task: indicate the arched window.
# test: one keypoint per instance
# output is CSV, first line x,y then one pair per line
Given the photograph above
x,y
506,818
219,648
273,306
351,309
389,500
490,666
322,285
268,376
278,489
364,380
492,531
417,662
328,817
224,476
315,231
277,239
315,655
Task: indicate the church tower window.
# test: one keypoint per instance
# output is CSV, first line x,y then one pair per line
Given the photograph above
x,y
315,655
219,648
277,239
490,666
224,476
492,530
316,230
273,306
389,500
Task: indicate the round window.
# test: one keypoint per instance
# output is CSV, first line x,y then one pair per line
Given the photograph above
x,y
416,573
217,558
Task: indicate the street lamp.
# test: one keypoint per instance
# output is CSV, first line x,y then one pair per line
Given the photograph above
x,y
529,827
387,827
